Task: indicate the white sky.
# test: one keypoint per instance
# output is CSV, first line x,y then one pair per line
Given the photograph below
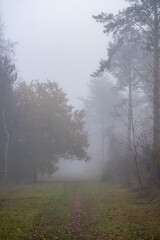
x,y
58,39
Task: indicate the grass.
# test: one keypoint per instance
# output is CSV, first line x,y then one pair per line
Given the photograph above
x,y
23,208
108,212
114,213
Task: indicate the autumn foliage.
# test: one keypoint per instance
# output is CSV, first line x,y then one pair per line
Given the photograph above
x,y
44,129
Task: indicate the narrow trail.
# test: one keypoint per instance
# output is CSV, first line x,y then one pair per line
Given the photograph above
x,y
75,225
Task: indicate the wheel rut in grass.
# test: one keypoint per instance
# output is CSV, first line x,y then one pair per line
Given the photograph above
x,y
75,225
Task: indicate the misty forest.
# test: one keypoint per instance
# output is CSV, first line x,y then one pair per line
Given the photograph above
x,y
80,120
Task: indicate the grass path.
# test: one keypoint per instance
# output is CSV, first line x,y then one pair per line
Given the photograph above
x,y
76,211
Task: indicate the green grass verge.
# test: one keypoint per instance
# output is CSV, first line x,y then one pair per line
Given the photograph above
x,y
23,208
115,213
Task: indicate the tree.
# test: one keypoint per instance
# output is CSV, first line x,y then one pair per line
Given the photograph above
x,y
138,23
46,129
126,64
99,107
8,76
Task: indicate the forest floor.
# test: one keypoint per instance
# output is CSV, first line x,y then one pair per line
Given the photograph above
x,y
77,211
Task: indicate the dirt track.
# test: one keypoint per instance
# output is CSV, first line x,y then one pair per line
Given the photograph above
x,y
75,227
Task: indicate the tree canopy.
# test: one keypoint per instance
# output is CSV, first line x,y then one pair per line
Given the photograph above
x,y
46,128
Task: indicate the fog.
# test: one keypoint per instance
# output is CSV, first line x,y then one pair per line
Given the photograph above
x,y
59,41
60,47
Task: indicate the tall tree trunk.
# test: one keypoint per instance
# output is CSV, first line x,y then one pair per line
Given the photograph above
x,y
156,90
129,122
6,148
136,157
130,113
131,128
156,80
102,140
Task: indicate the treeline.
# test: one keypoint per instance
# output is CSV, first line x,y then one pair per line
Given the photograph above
x,y
37,124
131,138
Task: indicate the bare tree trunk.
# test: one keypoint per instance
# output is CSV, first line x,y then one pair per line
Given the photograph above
x,y
135,158
6,148
156,81
131,130
130,120
130,113
102,140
